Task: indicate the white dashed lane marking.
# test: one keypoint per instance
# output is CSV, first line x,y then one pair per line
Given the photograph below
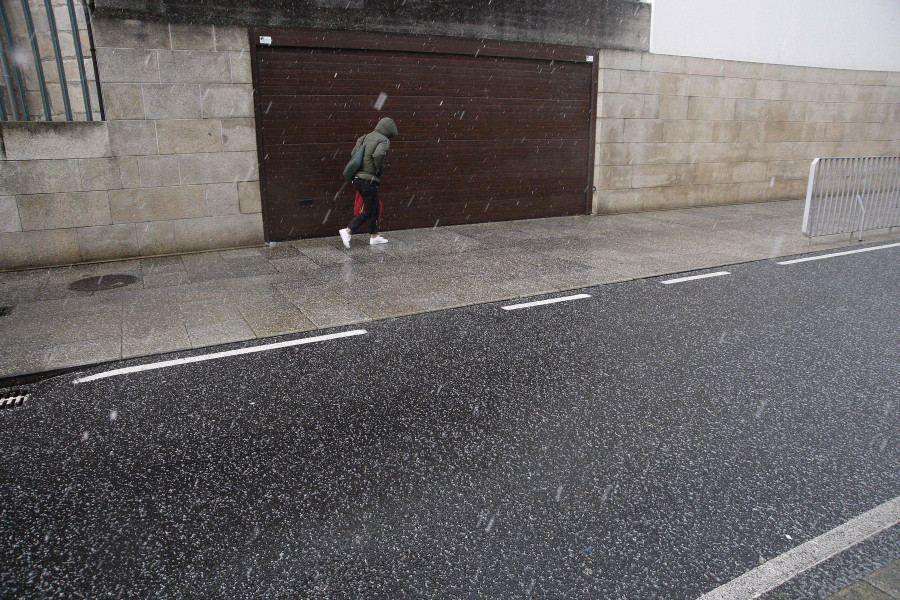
x,y
782,569
215,355
834,254
694,277
547,301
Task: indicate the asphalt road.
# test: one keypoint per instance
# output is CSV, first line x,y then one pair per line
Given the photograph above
x,y
650,441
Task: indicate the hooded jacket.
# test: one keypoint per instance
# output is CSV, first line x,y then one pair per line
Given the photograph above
x,y
377,144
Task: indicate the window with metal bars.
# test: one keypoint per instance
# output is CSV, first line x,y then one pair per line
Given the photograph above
x,y
48,66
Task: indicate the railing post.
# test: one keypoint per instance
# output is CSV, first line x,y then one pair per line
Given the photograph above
x,y
862,218
29,28
811,183
19,83
90,31
894,191
76,38
57,54
7,81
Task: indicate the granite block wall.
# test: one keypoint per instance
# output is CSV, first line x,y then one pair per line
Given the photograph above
x,y
173,169
676,131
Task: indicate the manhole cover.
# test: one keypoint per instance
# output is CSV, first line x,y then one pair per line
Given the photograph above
x,y
103,282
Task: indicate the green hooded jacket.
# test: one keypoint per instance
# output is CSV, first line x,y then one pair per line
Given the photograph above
x,y
377,144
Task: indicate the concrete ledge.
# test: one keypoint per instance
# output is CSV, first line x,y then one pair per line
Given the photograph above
x,y
42,140
127,34
39,177
623,24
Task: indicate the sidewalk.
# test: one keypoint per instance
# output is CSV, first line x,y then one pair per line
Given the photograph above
x,y
883,584
197,300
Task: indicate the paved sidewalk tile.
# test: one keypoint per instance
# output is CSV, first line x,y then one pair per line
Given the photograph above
x,y
887,579
85,352
209,298
155,340
883,584
860,591
323,306
219,332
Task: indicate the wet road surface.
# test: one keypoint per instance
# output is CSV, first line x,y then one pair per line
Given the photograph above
x,y
651,440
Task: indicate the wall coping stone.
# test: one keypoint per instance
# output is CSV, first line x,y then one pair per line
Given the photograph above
x,y
42,140
623,24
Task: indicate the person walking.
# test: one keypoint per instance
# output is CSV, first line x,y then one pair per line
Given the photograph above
x,y
368,178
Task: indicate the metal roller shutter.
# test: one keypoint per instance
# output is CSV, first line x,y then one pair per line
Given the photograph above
x,y
488,131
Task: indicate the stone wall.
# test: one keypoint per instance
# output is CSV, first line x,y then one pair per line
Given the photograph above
x,y
173,169
675,131
622,24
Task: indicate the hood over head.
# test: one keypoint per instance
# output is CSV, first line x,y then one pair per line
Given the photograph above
x,y
387,127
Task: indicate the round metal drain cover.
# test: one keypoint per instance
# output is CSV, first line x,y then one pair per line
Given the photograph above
x,y
103,282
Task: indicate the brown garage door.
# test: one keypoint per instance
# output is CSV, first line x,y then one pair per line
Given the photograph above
x,y
488,132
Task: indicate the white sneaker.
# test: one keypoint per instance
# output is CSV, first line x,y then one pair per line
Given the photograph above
x,y
374,241
345,237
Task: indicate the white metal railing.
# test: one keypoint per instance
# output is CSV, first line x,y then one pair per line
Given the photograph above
x,y
847,195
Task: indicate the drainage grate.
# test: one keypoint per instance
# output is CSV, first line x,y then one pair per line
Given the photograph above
x,y
5,310
13,398
103,282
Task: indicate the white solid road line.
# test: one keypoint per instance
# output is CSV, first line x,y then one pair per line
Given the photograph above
x,y
548,301
832,255
215,355
693,277
781,569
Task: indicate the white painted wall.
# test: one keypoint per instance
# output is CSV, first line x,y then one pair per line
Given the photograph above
x,y
842,34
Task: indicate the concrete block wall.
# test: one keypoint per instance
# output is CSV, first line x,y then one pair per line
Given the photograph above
x,y
173,169
676,131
